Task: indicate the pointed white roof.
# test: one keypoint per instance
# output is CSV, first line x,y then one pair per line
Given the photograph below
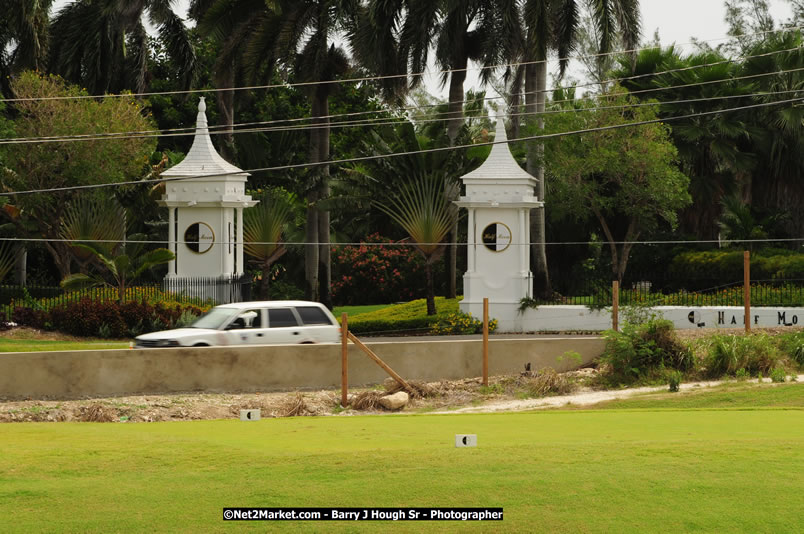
x,y
500,165
203,159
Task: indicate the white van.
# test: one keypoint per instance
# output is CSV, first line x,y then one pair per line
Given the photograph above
x,y
252,323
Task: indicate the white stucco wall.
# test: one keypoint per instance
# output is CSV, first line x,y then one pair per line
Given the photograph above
x,y
581,318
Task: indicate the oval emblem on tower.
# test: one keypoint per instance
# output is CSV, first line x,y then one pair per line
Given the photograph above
x,y
199,237
497,237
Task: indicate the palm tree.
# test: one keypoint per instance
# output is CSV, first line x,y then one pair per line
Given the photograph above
x,y
715,151
103,44
260,38
419,206
7,258
94,220
23,37
554,25
263,226
391,38
125,262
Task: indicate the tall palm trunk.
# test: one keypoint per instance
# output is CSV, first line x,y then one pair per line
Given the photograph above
x,y
316,242
428,274
324,256
535,96
452,190
226,107
21,266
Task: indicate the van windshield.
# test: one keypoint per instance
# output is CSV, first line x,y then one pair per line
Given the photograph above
x,y
215,319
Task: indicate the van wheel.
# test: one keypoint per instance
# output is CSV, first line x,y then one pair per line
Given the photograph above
x,y
307,343
201,345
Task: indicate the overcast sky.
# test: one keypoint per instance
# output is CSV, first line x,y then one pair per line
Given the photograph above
x,y
676,20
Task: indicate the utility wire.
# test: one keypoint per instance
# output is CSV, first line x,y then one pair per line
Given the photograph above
x,y
386,120
407,153
399,244
372,78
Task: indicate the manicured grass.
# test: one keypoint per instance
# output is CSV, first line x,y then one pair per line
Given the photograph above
x,y
559,471
737,395
357,310
33,345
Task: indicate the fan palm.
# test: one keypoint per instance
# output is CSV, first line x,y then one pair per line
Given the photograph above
x,y
123,262
96,220
103,44
391,37
263,226
418,205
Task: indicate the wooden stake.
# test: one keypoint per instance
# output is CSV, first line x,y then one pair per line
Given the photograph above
x,y
615,305
747,289
380,362
344,360
485,341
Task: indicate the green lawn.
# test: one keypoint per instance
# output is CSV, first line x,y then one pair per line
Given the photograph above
x,y
30,345
735,395
710,470
357,310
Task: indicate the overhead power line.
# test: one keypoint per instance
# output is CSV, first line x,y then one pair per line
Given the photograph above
x,y
372,78
382,121
225,129
402,243
408,153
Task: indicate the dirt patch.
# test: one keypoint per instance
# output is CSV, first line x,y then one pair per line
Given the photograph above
x,y
442,395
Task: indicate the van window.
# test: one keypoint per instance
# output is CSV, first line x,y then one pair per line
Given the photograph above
x,y
281,317
313,315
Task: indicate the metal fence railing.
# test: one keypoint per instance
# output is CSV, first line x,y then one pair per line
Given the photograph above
x,y
648,291
190,290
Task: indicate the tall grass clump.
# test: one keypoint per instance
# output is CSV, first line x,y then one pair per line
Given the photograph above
x,y
793,346
642,351
728,354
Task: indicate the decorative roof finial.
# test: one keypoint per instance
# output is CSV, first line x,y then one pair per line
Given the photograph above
x,y
202,106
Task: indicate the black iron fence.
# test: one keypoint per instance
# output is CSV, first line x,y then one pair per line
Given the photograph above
x,y
200,291
649,290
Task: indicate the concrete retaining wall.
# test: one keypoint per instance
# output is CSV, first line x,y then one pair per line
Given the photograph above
x,y
72,374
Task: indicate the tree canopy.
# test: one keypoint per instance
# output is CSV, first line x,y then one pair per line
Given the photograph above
x,y
66,163
627,178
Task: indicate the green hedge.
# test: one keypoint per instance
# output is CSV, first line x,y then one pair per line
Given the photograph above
x,y
727,265
408,317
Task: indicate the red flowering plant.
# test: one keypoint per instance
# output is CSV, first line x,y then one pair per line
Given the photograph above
x,y
377,271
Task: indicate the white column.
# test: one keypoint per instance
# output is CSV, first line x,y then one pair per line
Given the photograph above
x,y
470,238
522,243
172,239
239,243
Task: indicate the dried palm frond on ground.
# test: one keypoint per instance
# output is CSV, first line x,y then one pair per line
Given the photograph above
x,y
96,413
294,406
367,400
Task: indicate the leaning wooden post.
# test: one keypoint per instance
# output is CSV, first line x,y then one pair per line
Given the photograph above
x,y
485,341
615,305
344,359
747,289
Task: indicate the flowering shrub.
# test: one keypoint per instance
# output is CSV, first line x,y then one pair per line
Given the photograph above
x,y
371,274
461,323
105,318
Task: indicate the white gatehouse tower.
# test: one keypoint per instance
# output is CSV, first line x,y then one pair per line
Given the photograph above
x,y
499,197
205,211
